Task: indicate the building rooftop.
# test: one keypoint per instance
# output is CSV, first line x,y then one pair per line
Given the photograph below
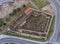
x,y
3,1
28,11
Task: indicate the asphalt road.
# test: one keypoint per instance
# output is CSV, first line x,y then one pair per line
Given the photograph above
x,y
15,40
56,36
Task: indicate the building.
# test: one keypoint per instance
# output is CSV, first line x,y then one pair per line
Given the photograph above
x,y
28,11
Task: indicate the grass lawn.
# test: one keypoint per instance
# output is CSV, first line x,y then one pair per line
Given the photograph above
x,y
51,29
27,37
1,31
41,3
31,6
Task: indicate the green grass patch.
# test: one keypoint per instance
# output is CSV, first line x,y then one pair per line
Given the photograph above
x,y
41,3
0,30
31,6
51,28
1,22
27,37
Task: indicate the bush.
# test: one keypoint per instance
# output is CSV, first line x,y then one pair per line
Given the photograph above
x,y
4,23
24,5
1,22
14,11
18,9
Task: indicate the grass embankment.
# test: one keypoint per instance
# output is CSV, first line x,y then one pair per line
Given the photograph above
x,y
51,28
41,3
27,37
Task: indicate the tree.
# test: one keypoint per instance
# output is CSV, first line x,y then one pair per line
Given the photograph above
x,y
10,14
4,23
1,22
14,11
18,9
7,18
24,5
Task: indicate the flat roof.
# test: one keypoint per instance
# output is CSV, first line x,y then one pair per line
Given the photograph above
x,y
3,1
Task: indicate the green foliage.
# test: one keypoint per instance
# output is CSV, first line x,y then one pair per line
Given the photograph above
x,y
1,22
41,3
18,9
51,28
14,12
27,37
24,5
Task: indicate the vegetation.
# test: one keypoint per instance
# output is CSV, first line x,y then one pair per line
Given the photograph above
x,y
24,5
1,22
18,9
15,11
51,28
31,6
1,31
27,37
12,18
41,3
7,18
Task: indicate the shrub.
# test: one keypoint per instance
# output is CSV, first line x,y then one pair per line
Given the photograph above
x,y
24,5
18,9
1,22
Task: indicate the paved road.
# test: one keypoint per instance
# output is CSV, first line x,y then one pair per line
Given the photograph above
x,y
3,1
15,40
57,28
56,37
